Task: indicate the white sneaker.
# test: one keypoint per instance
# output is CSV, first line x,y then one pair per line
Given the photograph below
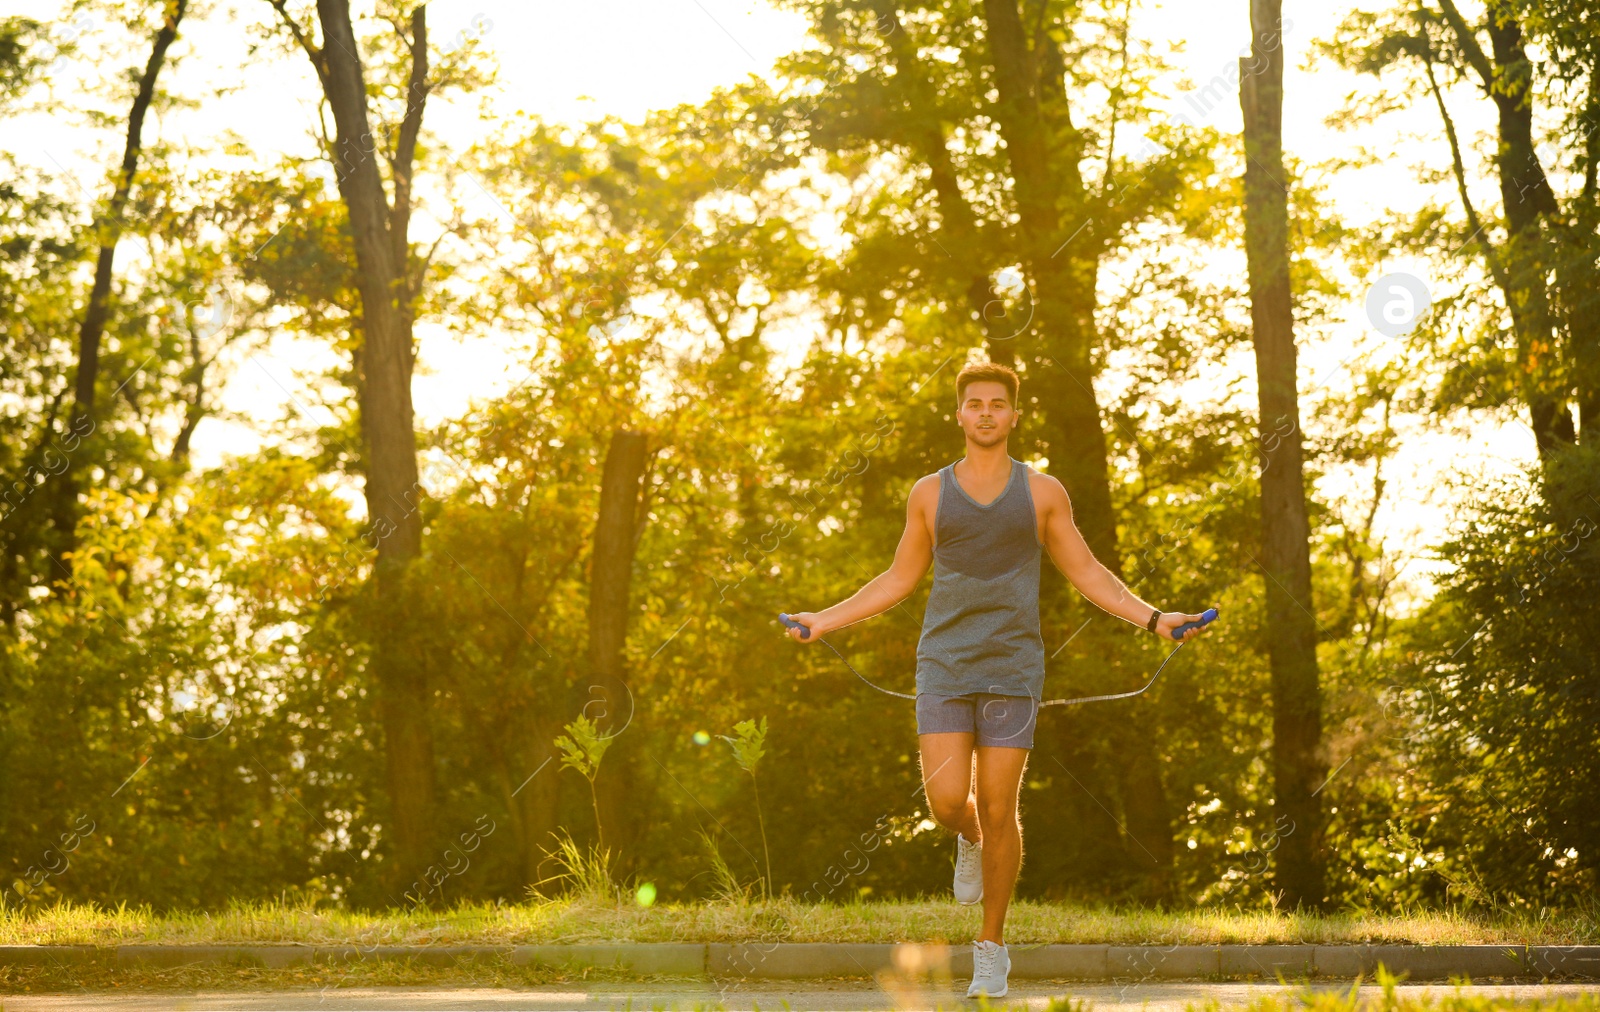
x,y
990,964
969,871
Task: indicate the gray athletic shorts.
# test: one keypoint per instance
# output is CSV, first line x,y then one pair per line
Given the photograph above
x,y
997,721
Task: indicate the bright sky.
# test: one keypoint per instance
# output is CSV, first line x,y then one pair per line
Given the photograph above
x,y
625,57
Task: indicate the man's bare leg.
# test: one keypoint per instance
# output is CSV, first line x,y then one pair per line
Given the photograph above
x,y
947,779
999,780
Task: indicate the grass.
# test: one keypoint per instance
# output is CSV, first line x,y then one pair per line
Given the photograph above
x,y
104,978
1386,997
592,920
1435,1002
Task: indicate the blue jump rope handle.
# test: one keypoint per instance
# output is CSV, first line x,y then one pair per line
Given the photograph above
x,y
805,633
1206,618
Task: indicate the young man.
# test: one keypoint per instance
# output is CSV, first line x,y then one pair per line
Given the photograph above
x,y
984,522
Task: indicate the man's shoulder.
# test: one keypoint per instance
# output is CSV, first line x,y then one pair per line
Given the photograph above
x,y
924,494
1040,483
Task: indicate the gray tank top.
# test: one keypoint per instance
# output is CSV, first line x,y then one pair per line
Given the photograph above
x,y
980,632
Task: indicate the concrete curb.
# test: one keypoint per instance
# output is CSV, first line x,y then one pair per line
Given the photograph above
x,y
789,960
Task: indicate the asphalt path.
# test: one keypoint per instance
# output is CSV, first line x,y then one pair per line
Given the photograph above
x,y
843,996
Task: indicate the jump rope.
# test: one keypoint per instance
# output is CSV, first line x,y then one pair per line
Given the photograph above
x,y
1206,618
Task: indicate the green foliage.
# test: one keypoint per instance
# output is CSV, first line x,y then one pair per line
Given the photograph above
x,y
583,747
748,743
19,56
585,871
191,720
727,886
1506,664
1514,295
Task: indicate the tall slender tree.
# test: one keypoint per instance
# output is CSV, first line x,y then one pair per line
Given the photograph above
x,y
1539,251
1522,267
1055,205
1044,148
109,227
389,279
1297,763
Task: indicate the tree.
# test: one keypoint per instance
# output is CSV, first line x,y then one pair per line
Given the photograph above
x,y
903,102
1285,562
616,532
1527,199
1540,252
1505,688
1567,34
980,114
108,229
388,277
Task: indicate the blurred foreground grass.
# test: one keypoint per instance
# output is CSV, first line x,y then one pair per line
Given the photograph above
x,y
1386,996
555,921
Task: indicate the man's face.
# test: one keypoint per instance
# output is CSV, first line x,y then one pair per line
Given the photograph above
x,y
986,414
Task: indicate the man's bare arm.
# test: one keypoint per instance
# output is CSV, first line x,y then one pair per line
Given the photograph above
x,y
911,560
1072,556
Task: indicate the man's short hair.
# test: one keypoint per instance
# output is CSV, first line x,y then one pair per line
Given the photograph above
x,y
987,371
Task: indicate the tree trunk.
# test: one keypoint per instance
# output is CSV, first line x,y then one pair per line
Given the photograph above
x,y
1076,443
1043,148
1286,552
1580,285
64,501
1526,195
392,489
1147,813
537,802
608,697
1076,843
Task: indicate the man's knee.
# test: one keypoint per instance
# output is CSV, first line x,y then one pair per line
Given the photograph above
x,y
996,813
948,810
